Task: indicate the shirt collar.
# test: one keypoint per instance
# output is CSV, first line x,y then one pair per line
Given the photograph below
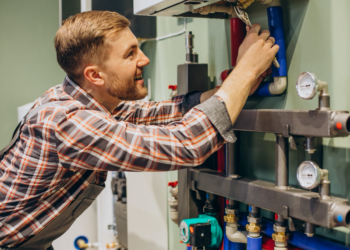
x,y
79,94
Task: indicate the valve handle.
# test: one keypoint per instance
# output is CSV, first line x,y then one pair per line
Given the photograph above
x,y
172,184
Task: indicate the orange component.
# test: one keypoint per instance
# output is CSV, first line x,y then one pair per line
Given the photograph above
x,y
188,245
191,230
181,241
339,126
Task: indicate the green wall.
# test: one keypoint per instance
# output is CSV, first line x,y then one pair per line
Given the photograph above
x,y
316,41
28,64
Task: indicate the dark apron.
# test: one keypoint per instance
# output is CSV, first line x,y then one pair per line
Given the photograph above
x,y
43,240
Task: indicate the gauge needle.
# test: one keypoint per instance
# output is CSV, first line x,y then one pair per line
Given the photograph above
x,y
243,15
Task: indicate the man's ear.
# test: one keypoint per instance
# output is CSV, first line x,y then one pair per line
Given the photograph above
x,y
93,75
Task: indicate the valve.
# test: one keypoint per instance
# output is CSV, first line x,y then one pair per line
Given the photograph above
x,y
82,242
173,90
172,201
280,236
173,184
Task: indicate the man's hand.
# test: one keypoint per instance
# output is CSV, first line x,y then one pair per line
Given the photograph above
x,y
259,80
242,50
255,56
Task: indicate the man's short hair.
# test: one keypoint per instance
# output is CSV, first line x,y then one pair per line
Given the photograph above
x,y
81,40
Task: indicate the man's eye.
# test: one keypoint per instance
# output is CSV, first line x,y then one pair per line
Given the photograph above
x,y
131,52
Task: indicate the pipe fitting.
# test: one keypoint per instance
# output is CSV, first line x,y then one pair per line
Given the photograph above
x,y
280,237
230,218
254,220
245,3
278,86
173,208
234,235
231,211
279,229
253,227
341,215
213,8
340,123
309,229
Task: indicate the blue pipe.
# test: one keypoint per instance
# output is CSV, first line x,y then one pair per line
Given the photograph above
x,y
275,20
189,248
299,239
226,243
254,243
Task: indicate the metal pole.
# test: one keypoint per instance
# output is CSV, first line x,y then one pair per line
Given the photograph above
x,y
281,162
232,153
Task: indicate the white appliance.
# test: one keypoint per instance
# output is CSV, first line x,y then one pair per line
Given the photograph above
x,y
168,7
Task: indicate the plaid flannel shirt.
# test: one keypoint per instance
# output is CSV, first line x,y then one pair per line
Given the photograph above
x,y
63,149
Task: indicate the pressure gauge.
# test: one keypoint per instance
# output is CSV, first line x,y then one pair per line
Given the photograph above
x,y
309,175
307,85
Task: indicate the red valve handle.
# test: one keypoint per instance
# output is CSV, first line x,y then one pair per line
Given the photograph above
x,y
172,87
172,184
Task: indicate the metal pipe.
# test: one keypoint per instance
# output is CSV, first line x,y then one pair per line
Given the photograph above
x,y
281,162
232,167
309,145
309,229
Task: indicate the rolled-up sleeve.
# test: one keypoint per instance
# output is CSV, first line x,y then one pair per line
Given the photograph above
x,y
217,113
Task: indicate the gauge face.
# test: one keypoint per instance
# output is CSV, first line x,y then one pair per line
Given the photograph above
x,y
308,175
184,232
306,85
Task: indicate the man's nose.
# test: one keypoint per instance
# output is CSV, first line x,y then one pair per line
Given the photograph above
x,y
143,60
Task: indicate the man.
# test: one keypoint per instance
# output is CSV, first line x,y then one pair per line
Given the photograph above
x,y
90,124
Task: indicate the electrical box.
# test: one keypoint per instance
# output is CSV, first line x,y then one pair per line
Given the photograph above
x,y
180,8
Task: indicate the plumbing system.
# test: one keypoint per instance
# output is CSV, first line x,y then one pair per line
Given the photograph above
x,y
202,214
247,230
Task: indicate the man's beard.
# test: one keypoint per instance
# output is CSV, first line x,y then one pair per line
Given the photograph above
x,y
122,90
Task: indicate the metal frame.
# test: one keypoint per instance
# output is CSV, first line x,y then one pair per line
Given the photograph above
x,y
309,123
291,202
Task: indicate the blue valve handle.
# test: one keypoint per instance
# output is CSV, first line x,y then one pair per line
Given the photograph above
x,y
80,238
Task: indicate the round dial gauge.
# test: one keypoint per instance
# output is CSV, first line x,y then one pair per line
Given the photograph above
x,y
309,175
306,85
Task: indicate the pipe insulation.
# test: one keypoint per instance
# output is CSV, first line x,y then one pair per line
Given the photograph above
x,y
254,243
237,37
298,239
279,85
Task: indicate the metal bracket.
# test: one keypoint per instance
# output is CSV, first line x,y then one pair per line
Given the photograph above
x,y
285,212
292,143
193,187
286,129
295,224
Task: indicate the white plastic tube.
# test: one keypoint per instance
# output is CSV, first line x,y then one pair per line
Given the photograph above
x,y
278,86
234,235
